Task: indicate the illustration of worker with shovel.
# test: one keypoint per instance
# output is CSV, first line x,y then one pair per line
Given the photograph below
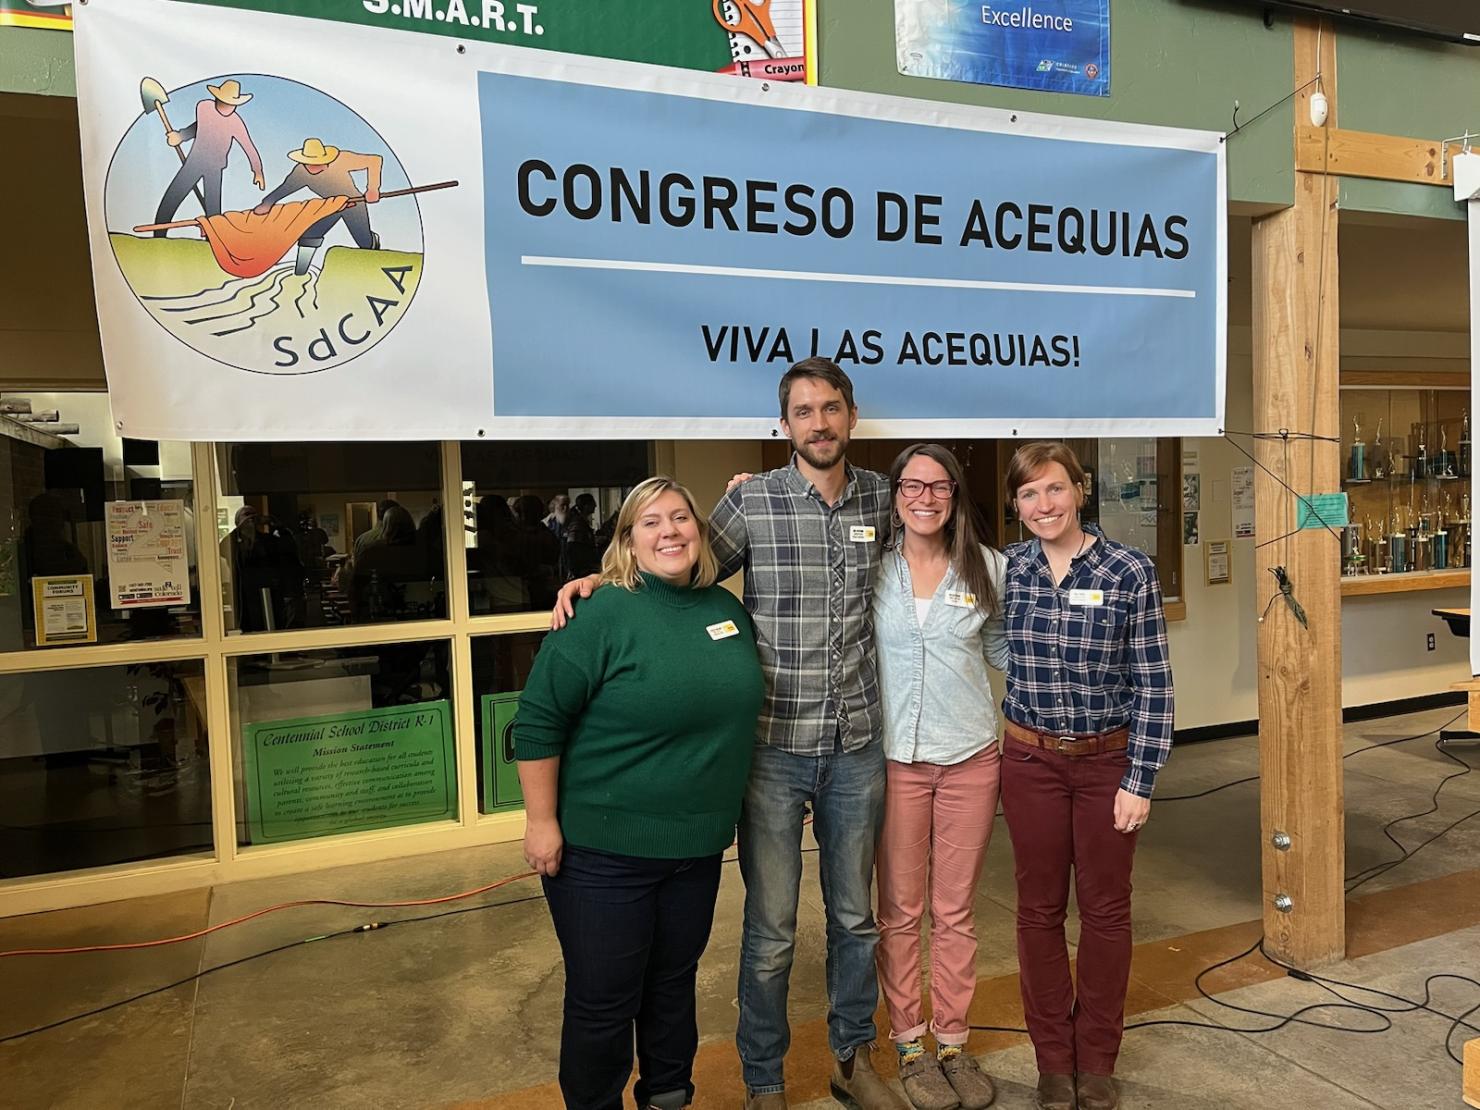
x,y
326,171
217,125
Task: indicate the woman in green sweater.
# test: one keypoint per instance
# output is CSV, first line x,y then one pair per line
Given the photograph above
x,y
634,736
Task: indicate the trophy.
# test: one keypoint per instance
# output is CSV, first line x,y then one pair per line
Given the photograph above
x,y
1397,547
1464,446
1421,460
1446,456
1379,457
1359,452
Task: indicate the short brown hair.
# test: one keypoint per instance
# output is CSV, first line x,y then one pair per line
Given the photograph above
x,y
1029,460
820,369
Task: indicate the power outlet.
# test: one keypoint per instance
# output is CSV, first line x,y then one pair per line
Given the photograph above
x,y
1429,639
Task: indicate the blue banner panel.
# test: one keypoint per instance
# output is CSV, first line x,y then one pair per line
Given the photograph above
x,y
657,256
1047,45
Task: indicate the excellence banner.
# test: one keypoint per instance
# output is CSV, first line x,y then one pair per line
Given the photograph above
x,y
404,237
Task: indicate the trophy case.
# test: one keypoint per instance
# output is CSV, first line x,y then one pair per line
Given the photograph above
x,y
1406,466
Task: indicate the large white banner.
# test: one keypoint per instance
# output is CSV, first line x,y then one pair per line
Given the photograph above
x,y
304,229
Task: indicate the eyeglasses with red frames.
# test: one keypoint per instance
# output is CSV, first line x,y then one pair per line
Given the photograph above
x,y
913,487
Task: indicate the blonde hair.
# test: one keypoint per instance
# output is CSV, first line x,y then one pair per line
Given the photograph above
x,y
619,564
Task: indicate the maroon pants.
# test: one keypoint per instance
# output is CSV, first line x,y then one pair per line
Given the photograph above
x,y
1060,813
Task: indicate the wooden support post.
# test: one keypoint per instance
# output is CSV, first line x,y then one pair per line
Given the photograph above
x,y
1296,346
1472,1072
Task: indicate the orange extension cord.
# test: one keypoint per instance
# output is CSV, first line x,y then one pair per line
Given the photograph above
x,y
163,941
262,913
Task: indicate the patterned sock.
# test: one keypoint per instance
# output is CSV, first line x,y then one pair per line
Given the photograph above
x,y
910,1051
945,1052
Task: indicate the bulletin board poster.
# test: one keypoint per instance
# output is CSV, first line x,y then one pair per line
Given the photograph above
x,y
349,772
47,17
64,610
148,566
1058,46
501,789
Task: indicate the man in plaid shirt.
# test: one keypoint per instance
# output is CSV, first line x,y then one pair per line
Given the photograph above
x,y
808,537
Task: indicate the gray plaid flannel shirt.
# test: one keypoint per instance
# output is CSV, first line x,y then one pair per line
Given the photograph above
x,y
809,574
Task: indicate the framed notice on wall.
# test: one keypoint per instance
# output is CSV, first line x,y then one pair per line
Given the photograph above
x,y
64,610
347,772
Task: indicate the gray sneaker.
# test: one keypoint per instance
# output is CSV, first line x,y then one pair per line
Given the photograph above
x,y
926,1086
972,1085
858,1087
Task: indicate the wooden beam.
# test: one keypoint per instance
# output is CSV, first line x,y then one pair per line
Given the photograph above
x,y
1367,154
1296,333
1405,379
1472,1072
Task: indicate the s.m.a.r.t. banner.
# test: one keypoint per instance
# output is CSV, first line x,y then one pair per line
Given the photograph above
x,y
410,237
50,15
1047,45
767,39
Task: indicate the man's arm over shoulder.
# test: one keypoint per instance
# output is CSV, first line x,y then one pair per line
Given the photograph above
x,y
728,532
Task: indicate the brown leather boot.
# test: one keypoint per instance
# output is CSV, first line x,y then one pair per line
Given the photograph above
x,y
1096,1092
857,1086
771,1100
1055,1092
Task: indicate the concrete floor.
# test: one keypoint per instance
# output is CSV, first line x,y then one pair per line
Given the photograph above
x,y
464,1010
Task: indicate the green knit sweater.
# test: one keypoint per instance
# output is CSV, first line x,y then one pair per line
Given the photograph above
x,y
652,716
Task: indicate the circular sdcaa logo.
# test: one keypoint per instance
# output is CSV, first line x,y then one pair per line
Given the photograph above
x,y
263,223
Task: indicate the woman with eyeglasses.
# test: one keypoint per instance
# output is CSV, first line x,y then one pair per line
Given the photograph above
x,y
938,627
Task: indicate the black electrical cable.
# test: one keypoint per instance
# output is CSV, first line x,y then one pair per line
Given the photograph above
x,y
1348,755
1366,875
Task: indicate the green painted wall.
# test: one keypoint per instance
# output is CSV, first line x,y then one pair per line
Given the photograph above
x,y
1180,63
1405,85
36,62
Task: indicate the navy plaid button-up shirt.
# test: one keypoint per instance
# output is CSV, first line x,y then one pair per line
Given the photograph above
x,y
1091,668
809,570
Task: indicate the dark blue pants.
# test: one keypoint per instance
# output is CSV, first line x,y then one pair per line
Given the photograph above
x,y
631,931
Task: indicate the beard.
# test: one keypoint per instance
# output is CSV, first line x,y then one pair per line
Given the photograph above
x,y
823,454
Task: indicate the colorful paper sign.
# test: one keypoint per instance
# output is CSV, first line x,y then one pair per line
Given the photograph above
x,y
1321,510
1046,45
996,274
348,772
148,564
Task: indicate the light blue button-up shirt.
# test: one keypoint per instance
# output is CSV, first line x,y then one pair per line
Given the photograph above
x,y
933,677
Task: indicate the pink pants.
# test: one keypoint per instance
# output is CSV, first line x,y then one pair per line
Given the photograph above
x,y
937,824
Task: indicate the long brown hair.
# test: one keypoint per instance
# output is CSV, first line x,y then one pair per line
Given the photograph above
x,y
965,530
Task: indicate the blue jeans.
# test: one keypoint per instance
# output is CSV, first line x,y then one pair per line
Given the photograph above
x,y
846,790
631,930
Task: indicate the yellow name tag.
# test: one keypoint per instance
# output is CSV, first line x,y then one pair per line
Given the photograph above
x,y
960,599
722,630
861,533
1086,597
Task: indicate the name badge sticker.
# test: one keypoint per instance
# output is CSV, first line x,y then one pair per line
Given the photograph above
x,y
960,599
861,533
1086,597
722,630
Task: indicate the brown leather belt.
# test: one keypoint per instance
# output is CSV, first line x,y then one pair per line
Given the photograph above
x,y
1092,744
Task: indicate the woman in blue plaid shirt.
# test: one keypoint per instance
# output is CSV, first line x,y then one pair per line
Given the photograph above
x,y
1088,725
